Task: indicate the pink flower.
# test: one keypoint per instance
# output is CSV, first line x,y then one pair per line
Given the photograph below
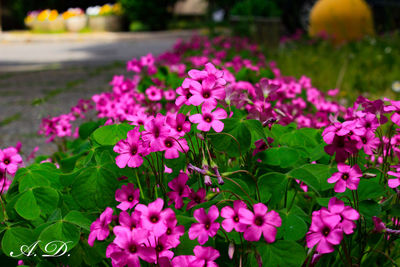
x,y
178,124
207,227
170,95
153,216
180,190
128,196
369,142
99,229
196,198
393,183
10,160
161,247
131,222
154,94
155,131
347,214
174,231
130,150
232,217
260,222
208,92
184,96
130,247
183,261
205,256
173,146
379,226
324,231
209,119
347,177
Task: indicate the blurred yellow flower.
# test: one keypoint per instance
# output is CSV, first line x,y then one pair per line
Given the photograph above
x,y
117,9
53,15
105,10
43,15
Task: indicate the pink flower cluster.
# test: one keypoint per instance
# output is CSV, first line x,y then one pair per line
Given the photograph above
x,y
329,224
148,233
61,126
10,161
161,134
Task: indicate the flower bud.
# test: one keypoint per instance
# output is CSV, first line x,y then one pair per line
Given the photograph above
x,y
231,250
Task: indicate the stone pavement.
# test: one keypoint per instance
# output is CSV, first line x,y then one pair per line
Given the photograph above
x,y
42,76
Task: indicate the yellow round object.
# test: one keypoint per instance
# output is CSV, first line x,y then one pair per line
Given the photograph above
x,y
341,20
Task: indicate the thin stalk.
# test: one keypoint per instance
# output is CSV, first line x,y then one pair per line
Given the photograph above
x,y
139,185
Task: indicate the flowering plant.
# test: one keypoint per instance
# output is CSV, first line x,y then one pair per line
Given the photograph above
x,y
104,10
73,12
208,156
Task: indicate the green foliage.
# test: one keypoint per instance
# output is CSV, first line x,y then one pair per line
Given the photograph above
x,y
259,8
367,67
153,14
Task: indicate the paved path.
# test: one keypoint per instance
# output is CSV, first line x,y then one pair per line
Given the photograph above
x,y
41,77
25,51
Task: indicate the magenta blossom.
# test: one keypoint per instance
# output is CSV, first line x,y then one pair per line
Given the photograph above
x,y
130,150
100,228
232,217
153,216
347,214
180,190
154,94
209,119
205,256
347,177
173,146
395,182
128,196
174,231
261,222
207,227
178,124
196,198
10,160
324,231
131,222
130,249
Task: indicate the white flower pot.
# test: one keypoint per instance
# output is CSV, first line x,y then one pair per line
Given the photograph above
x,y
76,24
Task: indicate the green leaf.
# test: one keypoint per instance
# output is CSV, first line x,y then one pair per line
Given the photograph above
x,y
79,219
257,130
314,175
295,228
27,206
44,174
369,208
280,156
237,186
272,187
282,253
86,129
33,202
109,135
234,136
65,232
95,188
14,238
68,164
368,189
46,198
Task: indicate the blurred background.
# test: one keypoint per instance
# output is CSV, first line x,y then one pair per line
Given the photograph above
x,y
54,52
348,44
